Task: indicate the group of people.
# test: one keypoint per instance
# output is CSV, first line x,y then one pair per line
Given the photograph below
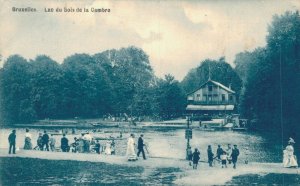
x,y
130,153
84,144
229,155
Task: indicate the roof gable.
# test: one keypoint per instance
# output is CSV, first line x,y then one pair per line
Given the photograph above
x,y
215,83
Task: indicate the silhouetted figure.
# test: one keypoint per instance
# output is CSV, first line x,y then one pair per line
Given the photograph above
x,y
141,146
97,147
12,142
64,143
219,152
210,155
234,155
196,158
45,140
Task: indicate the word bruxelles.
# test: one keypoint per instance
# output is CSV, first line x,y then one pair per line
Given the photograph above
x,y
65,9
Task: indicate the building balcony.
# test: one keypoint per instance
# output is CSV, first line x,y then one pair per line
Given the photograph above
x,y
212,102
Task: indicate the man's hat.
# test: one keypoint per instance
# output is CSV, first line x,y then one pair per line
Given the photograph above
x,y
291,140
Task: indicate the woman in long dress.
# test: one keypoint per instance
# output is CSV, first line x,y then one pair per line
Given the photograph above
x,y
28,137
289,159
131,155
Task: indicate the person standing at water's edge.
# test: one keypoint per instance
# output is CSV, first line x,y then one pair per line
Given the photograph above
x,y
141,146
28,137
12,142
131,155
64,143
234,155
45,139
210,155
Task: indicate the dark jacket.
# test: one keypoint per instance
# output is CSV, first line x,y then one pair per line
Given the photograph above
x,y
64,142
45,138
140,143
12,138
235,153
219,152
210,155
196,157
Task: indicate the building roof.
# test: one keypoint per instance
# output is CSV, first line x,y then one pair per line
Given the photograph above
x,y
210,107
217,84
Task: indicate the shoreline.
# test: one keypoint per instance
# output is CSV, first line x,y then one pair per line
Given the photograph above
x,y
202,176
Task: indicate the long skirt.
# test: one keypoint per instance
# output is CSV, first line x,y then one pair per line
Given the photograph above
x,y
28,144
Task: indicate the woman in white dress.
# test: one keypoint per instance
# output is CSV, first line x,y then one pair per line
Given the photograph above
x,y
28,137
131,155
289,159
107,148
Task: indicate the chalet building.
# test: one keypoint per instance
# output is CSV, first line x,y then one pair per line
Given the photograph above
x,y
211,98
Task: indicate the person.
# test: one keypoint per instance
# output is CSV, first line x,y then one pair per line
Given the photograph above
x,y
107,148
130,153
87,142
39,142
196,158
234,155
219,152
190,155
97,147
64,143
289,159
52,143
113,147
74,145
81,144
210,155
228,152
224,159
12,142
45,140
141,147
28,137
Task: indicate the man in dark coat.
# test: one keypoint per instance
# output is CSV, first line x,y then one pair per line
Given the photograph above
x,y
64,143
12,142
45,140
219,152
196,158
141,146
210,155
234,155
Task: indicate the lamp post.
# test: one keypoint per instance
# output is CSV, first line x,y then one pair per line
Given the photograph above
x,y
188,136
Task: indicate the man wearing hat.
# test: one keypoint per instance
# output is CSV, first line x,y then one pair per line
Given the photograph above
x,y
289,159
234,155
12,142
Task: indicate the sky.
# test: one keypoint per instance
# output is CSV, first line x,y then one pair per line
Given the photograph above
x,y
177,35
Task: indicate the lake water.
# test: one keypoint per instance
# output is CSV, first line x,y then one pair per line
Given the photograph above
x,y
162,143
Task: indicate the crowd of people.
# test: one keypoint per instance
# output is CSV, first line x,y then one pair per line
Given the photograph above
x,y
84,144
229,155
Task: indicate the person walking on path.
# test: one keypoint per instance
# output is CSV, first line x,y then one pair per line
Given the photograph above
x,y
224,159
131,155
228,152
196,158
210,155
64,143
39,142
97,147
45,139
141,146
28,137
52,143
289,159
219,152
12,142
234,155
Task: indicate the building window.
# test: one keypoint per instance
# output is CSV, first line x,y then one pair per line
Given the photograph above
x,y
210,88
198,95
223,97
230,97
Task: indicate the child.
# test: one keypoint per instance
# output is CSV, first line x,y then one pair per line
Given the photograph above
x,y
224,159
196,158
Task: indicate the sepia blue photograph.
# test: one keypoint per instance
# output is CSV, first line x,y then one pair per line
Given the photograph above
x,y
136,92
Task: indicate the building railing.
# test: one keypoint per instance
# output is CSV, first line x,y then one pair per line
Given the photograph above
x,y
212,102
